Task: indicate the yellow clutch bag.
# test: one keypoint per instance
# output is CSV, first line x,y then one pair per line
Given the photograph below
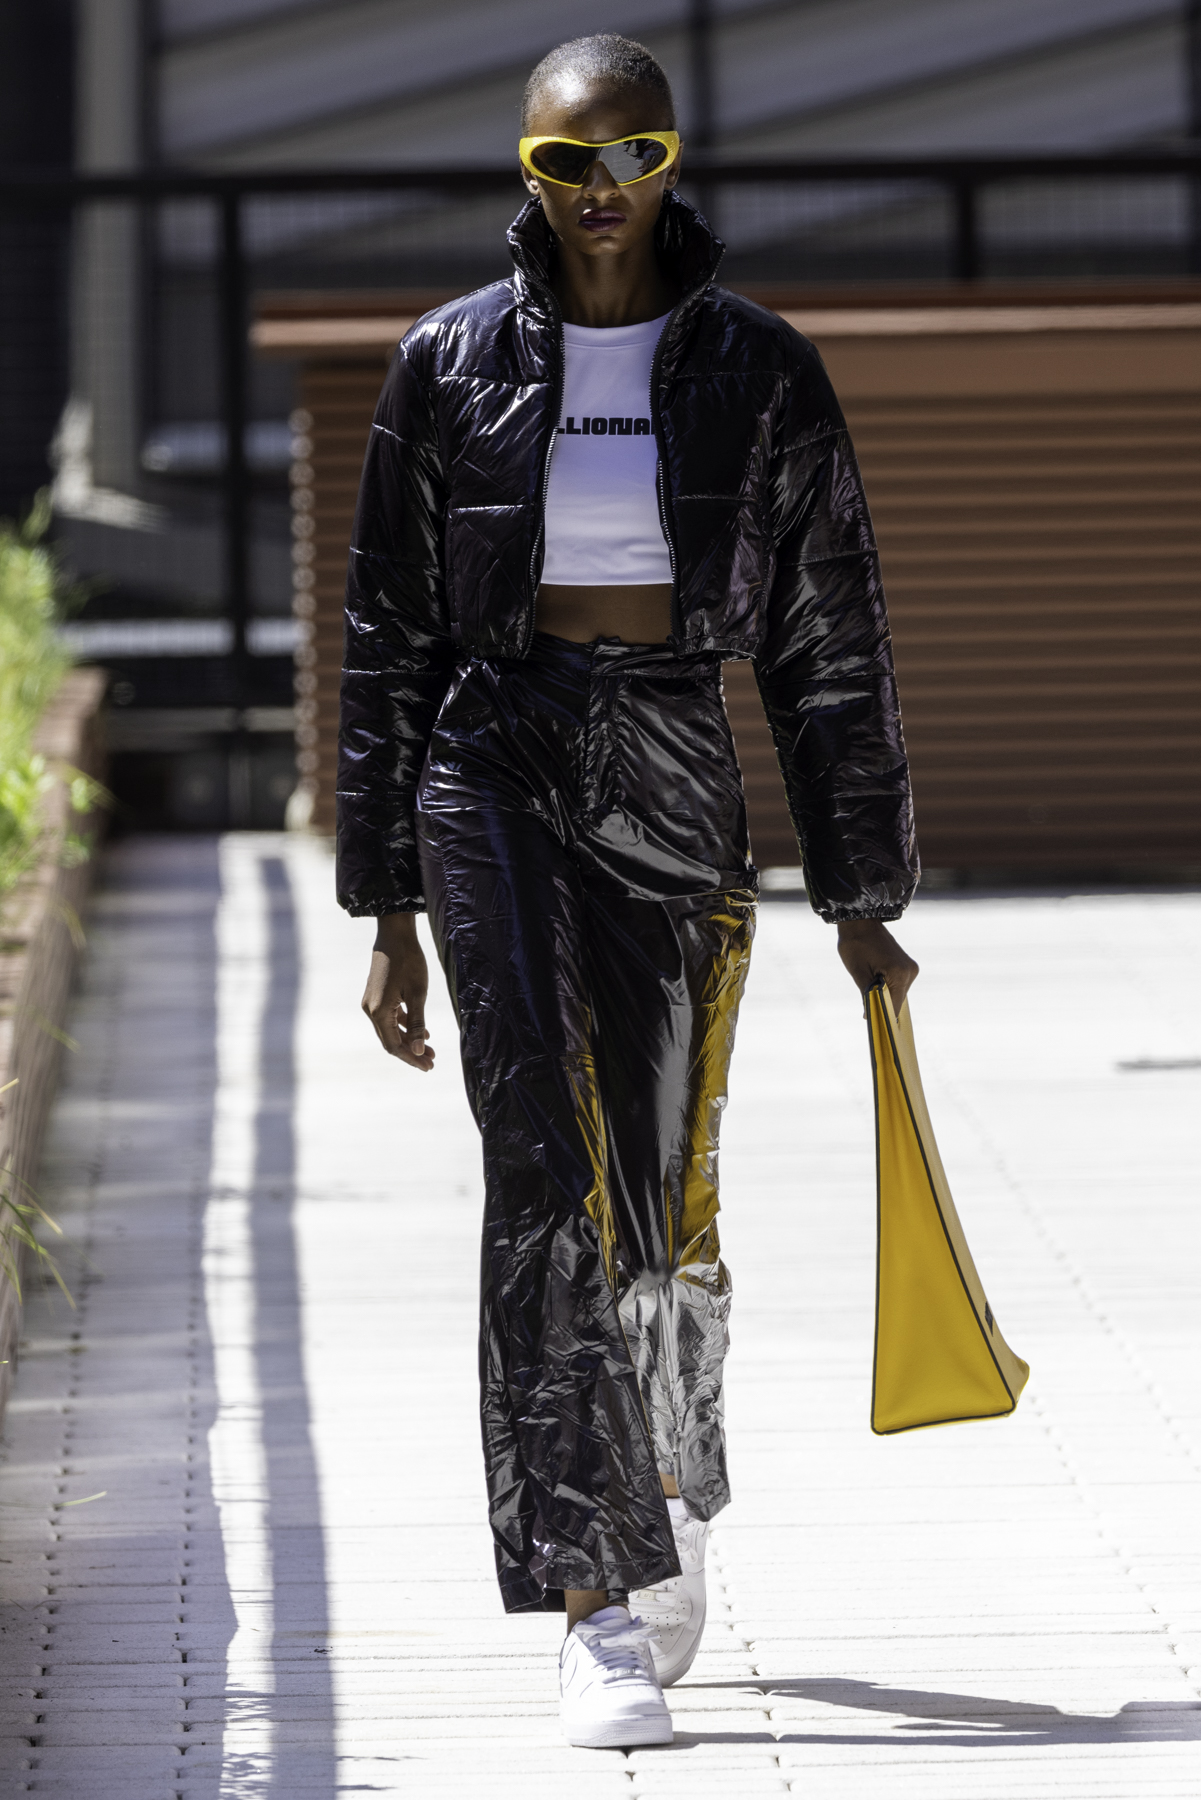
x,y
940,1356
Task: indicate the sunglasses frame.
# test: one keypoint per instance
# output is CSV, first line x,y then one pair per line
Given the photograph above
x,y
669,139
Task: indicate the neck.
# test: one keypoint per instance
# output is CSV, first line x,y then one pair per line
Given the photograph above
x,y
611,291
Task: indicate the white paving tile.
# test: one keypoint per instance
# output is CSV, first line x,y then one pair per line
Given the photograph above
x,y
286,1588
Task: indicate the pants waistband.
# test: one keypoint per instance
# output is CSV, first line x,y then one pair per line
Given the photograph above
x,y
611,656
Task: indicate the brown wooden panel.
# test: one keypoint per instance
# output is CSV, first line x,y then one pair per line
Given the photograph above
x,y
1041,555
338,402
999,365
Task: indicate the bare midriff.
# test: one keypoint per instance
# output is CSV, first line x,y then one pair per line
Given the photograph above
x,y
636,615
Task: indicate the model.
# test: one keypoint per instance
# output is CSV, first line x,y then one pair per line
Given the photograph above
x,y
586,487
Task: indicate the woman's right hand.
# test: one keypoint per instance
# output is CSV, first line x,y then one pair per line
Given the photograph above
x,y
394,999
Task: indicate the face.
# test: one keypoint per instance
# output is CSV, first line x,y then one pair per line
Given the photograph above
x,y
600,219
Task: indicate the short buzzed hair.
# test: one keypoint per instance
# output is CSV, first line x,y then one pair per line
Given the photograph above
x,y
608,58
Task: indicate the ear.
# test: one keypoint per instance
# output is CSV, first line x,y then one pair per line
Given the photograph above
x,y
673,174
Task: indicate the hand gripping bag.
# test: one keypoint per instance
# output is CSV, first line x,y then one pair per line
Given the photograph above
x,y
940,1356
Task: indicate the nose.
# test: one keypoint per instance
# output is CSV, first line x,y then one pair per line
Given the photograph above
x,y
599,184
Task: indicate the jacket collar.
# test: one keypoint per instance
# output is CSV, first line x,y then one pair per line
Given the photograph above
x,y
690,249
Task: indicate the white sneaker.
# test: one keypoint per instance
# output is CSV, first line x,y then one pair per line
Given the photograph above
x,y
676,1608
610,1697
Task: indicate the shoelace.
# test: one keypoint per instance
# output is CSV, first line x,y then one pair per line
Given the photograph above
x,y
616,1647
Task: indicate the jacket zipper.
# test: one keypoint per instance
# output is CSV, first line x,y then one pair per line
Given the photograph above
x,y
540,534
660,494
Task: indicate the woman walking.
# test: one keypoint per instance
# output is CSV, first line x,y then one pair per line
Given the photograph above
x,y
586,486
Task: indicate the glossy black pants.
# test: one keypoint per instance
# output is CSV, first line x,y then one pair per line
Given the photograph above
x,y
584,850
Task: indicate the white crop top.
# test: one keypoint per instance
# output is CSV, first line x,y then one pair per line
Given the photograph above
x,y
602,510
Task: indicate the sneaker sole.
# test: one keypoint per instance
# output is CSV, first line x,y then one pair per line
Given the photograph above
x,y
617,1736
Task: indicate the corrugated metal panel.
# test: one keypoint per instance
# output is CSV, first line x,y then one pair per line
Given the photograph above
x,y
1040,539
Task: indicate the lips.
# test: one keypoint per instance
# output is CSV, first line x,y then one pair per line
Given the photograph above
x,y
602,218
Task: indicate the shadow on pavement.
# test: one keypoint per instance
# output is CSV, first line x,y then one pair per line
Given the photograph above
x,y
941,1718
117,1620
304,1754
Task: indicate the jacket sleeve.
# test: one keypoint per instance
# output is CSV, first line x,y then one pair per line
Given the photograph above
x,y
399,657
825,670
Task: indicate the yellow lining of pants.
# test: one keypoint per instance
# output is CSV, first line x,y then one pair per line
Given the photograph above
x,y
699,1207
598,1203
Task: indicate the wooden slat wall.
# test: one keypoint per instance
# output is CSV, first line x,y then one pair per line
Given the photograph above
x,y
337,403
1035,497
1042,556
1035,492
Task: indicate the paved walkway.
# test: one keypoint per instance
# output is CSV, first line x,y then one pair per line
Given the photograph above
x,y
243,1541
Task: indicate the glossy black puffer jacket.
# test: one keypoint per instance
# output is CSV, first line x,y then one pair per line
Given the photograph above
x,y
765,518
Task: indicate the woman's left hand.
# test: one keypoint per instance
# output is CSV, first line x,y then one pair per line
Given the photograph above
x,y
871,954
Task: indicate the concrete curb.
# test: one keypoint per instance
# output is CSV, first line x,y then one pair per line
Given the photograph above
x,y
39,949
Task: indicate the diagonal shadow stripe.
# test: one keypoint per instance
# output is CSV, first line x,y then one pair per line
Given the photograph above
x,y
305,1751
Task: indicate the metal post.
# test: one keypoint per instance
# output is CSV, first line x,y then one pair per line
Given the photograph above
x,y
701,123
967,231
233,324
1192,76
700,54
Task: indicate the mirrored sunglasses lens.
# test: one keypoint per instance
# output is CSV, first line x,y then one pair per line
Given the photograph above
x,y
562,162
634,159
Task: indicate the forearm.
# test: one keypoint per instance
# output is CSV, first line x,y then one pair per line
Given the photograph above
x,y
388,718
825,668
395,932
399,657
846,779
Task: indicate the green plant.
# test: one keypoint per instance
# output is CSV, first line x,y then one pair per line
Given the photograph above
x,y
20,1216
34,595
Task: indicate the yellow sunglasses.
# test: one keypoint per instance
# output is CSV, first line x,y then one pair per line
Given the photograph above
x,y
566,161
